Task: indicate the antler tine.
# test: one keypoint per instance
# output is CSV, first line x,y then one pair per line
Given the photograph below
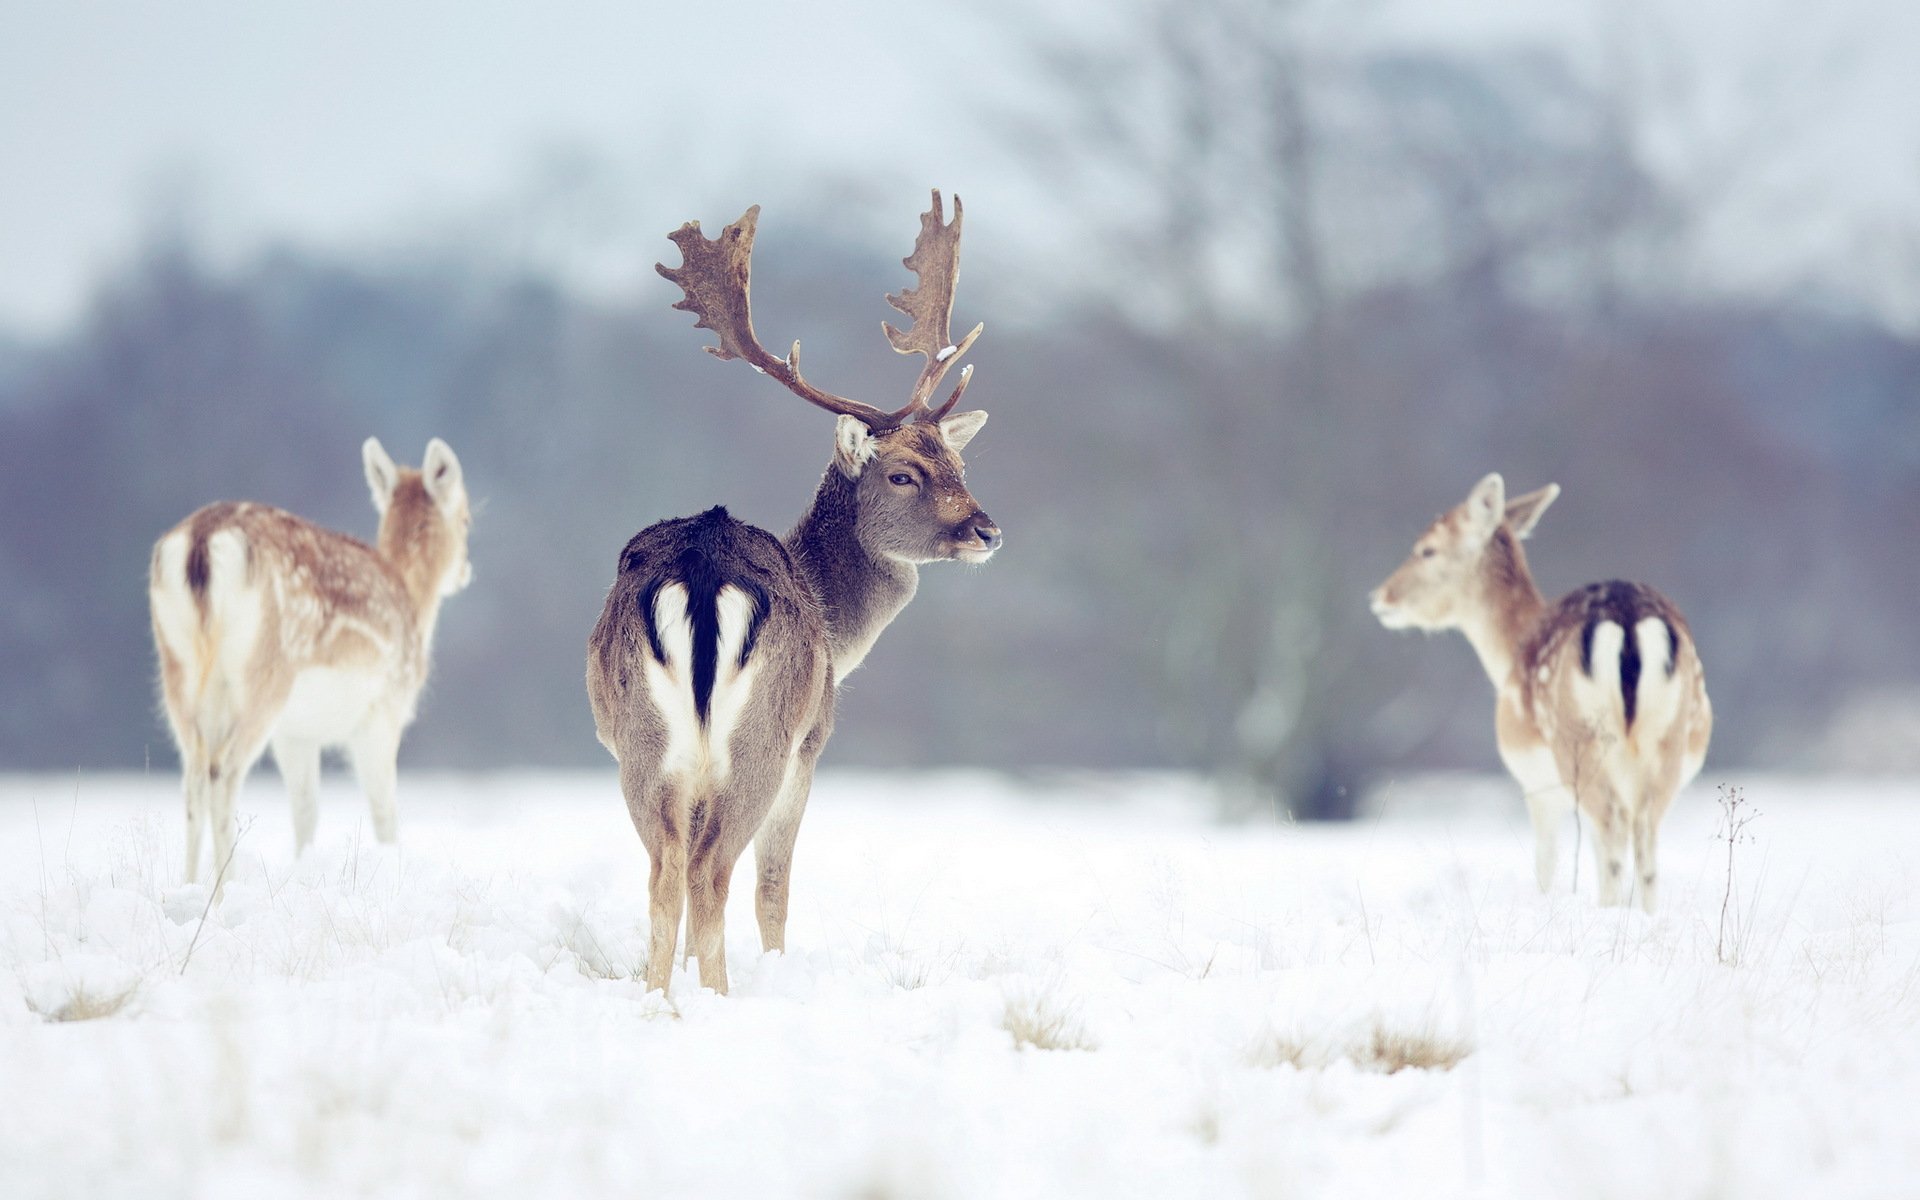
x,y
966,375
716,277
935,261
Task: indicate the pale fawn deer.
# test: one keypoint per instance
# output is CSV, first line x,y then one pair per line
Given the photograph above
x,y
272,629
712,669
1601,701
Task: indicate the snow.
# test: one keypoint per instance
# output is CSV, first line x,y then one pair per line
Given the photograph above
x,y
460,1015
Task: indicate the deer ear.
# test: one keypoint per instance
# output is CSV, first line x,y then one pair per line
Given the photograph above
x,y
959,428
1523,512
382,475
852,445
440,471
1486,507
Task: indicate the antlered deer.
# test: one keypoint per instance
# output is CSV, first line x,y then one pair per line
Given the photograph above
x,y
1601,698
713,667
272,629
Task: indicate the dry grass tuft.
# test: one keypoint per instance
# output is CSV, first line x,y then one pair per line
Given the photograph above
x,y
83,1004
906,973
1381,1049
1040,1021
1279,1050
1387,1050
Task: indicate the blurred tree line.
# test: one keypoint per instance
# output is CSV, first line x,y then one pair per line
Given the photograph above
x,y
1311,294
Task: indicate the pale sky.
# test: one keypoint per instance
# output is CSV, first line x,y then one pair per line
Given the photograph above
x,y
357,122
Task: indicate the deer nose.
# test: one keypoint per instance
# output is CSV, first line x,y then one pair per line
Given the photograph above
x,y
987,531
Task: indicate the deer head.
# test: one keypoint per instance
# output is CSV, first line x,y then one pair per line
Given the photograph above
x,y
424,517
1462,560
904,463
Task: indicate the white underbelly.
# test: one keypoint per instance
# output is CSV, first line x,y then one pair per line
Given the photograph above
x,y
327,704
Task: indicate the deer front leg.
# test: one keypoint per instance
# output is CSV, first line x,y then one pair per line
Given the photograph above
x,y
376,754
1537,770
299,764
1547,808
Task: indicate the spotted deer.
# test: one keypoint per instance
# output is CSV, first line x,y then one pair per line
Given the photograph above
x,y
713,667
271,629
1601,700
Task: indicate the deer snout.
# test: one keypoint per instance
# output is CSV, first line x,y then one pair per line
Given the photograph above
x,y
986,531
1386,608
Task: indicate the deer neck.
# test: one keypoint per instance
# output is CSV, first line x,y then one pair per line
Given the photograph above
x,y
422,586
859,591
1508,609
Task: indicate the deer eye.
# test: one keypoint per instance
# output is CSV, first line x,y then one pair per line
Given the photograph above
x,y
900,479
1426,552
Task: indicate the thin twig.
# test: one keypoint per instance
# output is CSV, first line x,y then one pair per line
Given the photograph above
x,y
212,894
1735,814
1366,924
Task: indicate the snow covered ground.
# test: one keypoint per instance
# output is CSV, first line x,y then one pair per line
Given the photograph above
x,y
1218,1009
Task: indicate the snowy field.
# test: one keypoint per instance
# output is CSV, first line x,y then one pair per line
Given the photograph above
x,y
995,989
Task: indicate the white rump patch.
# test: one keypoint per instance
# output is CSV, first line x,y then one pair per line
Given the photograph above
x,y
693,753
1658,700
213,656
1601,702
1651,636
174,614
235,609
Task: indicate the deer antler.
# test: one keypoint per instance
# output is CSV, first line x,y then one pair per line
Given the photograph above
x,y
715,275
935,261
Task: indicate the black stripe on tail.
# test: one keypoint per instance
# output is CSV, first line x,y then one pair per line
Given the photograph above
x,y
1629,671
1621,604
698,569
199,568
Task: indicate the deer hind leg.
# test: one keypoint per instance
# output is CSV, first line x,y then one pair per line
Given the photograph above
x,y
1612,824
197,785
200,729
773,848
709,878
666,900
1646,833
1656,793
660,813
299,763
230,764
376,753
193,754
